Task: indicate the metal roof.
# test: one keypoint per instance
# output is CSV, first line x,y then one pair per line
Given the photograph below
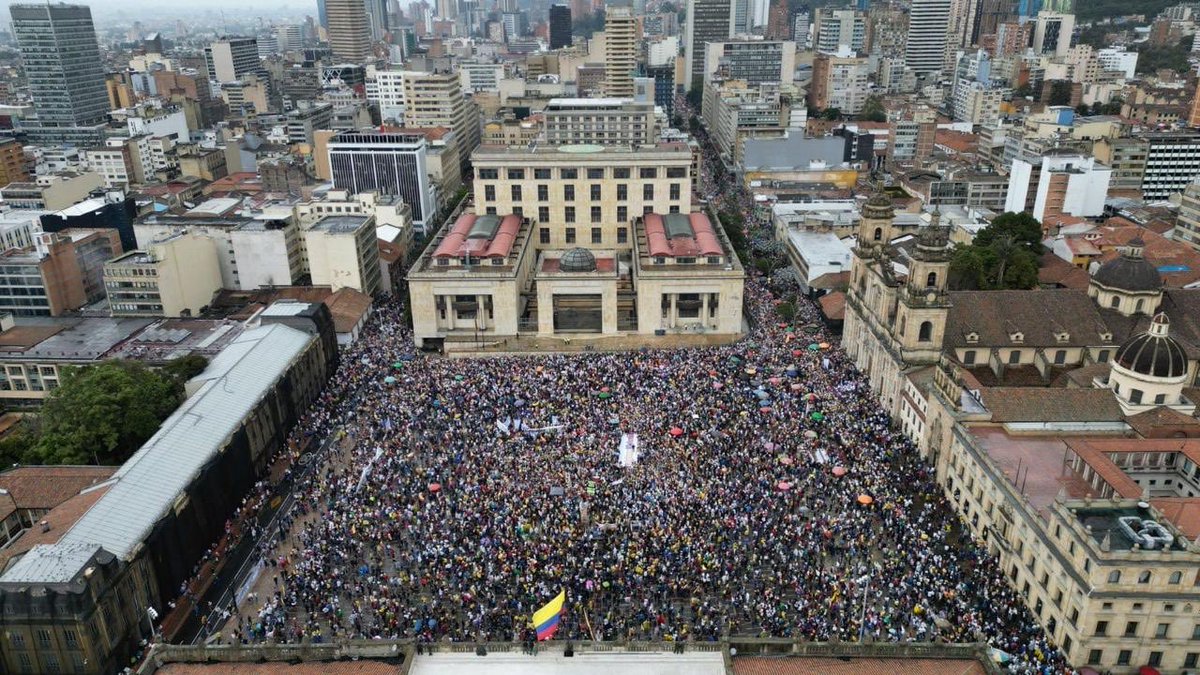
x,y
147,485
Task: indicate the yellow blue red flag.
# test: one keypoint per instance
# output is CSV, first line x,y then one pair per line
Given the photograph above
x,y
545,620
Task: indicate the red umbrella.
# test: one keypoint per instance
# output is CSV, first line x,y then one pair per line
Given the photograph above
x,y
839,471
435,487
676,432
797,352
783,486
1148,670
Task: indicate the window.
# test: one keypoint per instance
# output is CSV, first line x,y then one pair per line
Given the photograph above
x,y
674,191
43,638
541,174
516,193
595,174
622,235
570,235
489,193
569,193
597,237
51,661
1160,399
648,172
1101,628
71,638
648,191
489,174
543,213
596,215
1014,357
568,174
622,214
1095,656
516,174
1160,631
569,214
925,333
931,280
676,172
595,193
622,192
1103,357
1123,657
1131,629
969,358
1140,304
544,236
543,193
17,640
1156,658
1135,396
1190,660
878,233
518,211
1196,632
1175,577
1115,303
621,173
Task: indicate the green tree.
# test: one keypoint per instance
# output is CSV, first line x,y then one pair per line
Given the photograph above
x,y
786,311
872,110
1060,93
184,368
831,114
103,413
1004,254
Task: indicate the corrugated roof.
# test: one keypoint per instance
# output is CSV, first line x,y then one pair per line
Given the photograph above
x,y
148,484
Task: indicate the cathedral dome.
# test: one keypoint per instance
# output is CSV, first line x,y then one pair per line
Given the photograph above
x,y
1129,271
1154,353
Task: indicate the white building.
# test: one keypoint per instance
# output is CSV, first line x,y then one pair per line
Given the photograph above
x,y
925,48
159,123
343,252
386,89
480,77
1118,58
1065,183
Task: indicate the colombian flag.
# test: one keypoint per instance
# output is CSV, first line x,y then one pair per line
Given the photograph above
x,y
545,620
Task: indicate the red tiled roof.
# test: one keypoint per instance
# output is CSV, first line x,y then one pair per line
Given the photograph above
x,y
348,307
833,306
458,241
60,519
44,487
797,665
661,243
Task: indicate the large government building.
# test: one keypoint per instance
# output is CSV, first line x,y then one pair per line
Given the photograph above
x,y
578,242
1061,423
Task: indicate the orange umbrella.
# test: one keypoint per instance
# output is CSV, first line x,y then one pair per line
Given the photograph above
x,y
865,500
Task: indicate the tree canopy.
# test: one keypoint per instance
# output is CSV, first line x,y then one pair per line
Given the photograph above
x,y
100,414
872,110
1003,255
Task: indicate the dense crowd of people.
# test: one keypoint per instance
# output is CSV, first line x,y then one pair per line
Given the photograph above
x,y
470,491
770,497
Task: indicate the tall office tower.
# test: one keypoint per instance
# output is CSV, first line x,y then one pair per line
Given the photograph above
x,y
377,19
62,63
231,58
560,26
393,164
741,17
289,38
925,48
1052,33
777,21
707,21
621,47
837,28
1028,9
322,14
447,9
989,16
349,30
801,27
436,100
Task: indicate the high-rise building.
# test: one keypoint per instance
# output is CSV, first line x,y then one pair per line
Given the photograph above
x,y
436,100
560,26
925,49
707,21
1052,33
989,15
778,27
322,14
753,61
801,26
837,28
349,30
621,47
229,59
62,64
377,19
391,164
741,17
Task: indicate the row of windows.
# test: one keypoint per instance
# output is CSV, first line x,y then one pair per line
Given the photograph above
x,y
596,212
595,192
594,173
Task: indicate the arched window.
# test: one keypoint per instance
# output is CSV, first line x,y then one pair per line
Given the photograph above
x,y
1144,577
1114,577
1115,302
878,234
1176,577
1140,303
931,280
926,332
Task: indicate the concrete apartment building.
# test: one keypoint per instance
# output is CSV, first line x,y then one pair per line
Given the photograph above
x,y
435,99
622,45
231,58
1064,184
173,277
752,61
343,252
12,162
45,280
599,121
52,192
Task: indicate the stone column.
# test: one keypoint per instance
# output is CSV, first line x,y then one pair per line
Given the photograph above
x,y
545,309
608,309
